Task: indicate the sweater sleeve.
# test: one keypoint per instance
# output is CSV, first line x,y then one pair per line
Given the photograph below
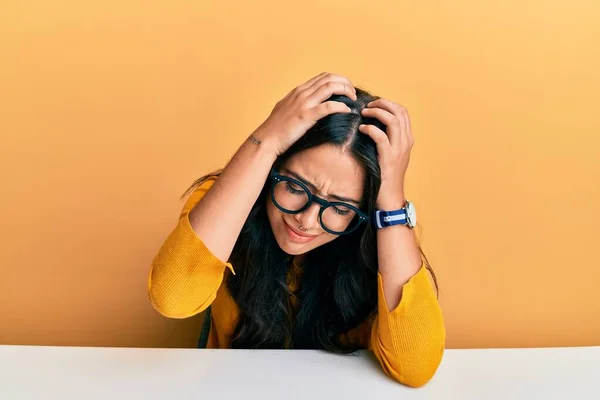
x,y
409,341
185,276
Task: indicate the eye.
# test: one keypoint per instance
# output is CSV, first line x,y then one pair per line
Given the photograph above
x,y
293,188
341,211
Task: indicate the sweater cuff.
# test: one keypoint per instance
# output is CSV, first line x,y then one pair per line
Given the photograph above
x,y
414,307
185,276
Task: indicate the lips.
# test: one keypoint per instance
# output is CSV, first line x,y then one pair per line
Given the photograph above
x,y
296,236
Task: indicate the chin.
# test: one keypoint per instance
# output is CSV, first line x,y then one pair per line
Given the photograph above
x,y
291,248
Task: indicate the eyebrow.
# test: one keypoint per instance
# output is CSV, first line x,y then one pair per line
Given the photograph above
x,y
312,186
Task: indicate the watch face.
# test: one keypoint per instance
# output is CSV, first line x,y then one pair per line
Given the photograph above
x,y
411,214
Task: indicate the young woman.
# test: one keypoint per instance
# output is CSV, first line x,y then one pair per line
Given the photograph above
x,y
305,239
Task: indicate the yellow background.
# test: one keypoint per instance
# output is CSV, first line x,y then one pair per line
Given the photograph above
x,y
109,110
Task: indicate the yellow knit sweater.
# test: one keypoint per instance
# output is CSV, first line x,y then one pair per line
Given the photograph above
x,y
185,278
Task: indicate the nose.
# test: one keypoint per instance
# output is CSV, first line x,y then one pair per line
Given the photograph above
x,y
309,218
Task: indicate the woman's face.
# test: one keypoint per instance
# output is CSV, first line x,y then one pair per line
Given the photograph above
x,y
329,172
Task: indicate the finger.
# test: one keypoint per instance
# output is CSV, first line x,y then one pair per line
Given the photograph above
x,y
387,105
300,89
311,81
389,120
399,111
407,127
327,108
330,88
379,137
331,78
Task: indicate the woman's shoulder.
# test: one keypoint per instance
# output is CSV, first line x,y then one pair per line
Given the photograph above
x,y
197,192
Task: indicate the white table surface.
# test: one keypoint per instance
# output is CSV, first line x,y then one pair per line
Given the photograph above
x,y
32,372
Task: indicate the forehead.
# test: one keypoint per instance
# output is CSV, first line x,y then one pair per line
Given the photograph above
x,y
331,169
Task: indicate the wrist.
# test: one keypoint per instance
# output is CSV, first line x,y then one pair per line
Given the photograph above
x,y
264,144
388,204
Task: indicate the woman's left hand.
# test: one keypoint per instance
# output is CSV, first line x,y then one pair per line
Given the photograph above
x,y
393,149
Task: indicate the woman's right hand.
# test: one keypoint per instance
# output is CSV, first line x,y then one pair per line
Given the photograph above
x,y
301,108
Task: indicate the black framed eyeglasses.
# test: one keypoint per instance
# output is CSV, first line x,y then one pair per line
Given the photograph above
x,y
292,196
